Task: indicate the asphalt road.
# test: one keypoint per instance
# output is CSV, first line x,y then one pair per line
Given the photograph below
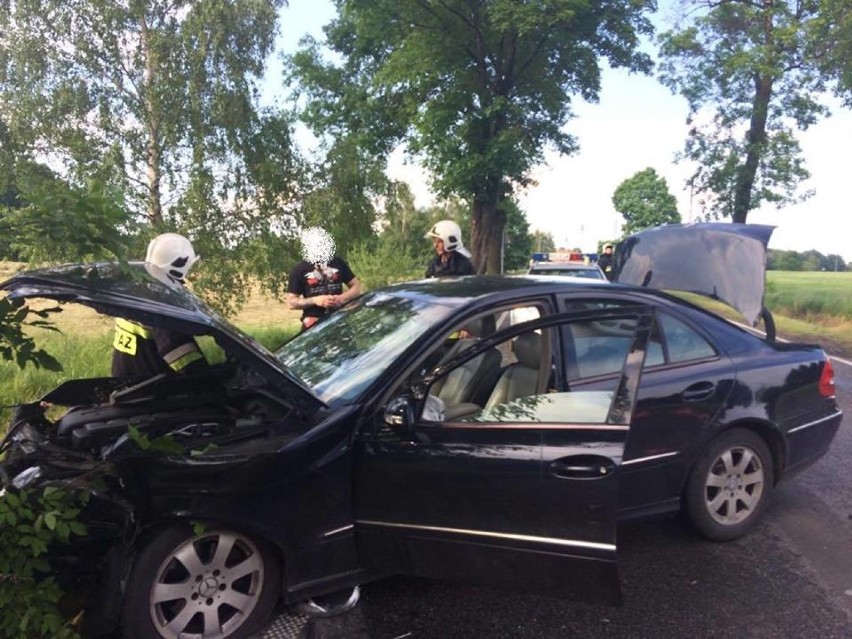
x,y
791,577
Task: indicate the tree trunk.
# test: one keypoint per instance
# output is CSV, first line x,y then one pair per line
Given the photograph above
x,y
755,148
486,244
154,150
756,135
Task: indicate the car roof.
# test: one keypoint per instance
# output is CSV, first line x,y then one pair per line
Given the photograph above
x,y
457,291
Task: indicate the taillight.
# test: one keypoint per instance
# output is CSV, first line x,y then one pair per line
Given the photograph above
x,y
826,380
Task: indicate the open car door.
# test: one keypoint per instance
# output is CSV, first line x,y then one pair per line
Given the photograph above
x,y
520,492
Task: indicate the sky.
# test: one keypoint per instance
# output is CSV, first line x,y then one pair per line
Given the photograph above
x,y
637,123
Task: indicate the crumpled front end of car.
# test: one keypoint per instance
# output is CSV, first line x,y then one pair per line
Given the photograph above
x,y
138,457
88,567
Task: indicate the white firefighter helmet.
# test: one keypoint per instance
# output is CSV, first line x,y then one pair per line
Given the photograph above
x,y
450,234
173,253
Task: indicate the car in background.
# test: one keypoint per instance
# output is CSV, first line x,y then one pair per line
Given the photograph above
x,y
568,269
486,429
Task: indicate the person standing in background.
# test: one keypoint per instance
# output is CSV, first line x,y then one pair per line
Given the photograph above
x,y
605,262
316,283
451,257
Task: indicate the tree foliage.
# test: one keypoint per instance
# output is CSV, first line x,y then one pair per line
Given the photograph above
x,y
747,71
30,522
831,45
644,200
518,243
813,260
347,184
159,101
478,89
542,242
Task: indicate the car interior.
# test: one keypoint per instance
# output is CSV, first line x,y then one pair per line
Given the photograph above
x,y
520,370
510,370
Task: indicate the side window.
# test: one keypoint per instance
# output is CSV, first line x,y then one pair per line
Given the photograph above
x,y
525,392
469,386
682,342
597,347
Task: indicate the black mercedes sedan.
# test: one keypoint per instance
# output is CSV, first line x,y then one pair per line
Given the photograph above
x,y
486,429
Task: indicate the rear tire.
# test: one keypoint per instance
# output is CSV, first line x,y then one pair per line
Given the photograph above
x,y
729,486
218,584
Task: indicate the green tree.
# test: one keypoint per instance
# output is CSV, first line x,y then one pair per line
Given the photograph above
x,y
518,245
644,200
348,183
159,100
830,41
834,262
542,242
403,225
477,89
784,260
749,64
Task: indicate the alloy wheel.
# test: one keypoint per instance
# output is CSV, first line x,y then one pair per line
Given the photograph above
x,y
734,485
207,587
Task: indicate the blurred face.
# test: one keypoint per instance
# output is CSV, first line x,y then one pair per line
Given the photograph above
x,y
607,249
439,245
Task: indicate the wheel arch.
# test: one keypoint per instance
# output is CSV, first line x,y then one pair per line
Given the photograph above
x,y
172,530
151,529
763,429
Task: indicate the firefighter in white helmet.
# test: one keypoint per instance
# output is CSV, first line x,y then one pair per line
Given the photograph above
x,y
140,351
451,257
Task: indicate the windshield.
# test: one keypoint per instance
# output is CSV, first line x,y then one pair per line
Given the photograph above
x,y
345,353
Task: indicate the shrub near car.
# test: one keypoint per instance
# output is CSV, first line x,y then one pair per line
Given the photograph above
x,y
485,429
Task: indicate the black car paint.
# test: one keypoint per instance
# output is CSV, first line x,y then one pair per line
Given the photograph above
x,y
751,389
346,459
425,495
720,260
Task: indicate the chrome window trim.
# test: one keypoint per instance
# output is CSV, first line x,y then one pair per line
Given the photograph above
x,y
814,423
527,426
571,543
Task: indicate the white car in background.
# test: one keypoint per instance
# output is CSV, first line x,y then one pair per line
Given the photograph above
x,y
569,269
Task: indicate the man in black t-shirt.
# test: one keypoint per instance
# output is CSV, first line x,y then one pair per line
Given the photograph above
x,y
316,284
140,352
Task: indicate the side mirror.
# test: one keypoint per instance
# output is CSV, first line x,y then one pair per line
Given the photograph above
x,y
399,412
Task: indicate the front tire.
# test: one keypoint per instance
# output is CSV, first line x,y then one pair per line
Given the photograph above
x,y
729,486
219,584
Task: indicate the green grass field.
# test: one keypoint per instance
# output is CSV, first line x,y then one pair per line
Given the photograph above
x,y
811,294
808,306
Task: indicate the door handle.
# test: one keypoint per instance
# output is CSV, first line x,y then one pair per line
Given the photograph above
x,y
699,391
582,467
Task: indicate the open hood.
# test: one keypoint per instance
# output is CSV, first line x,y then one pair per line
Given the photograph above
x,y
723,261
145,294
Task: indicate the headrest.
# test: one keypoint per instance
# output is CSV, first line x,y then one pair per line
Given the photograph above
x,y
527,348
482,326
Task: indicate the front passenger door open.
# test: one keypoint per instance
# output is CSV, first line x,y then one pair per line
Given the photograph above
x,y
521,493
